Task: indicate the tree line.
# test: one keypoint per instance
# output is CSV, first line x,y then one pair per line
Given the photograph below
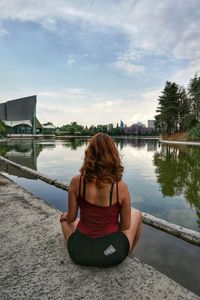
x,y
75,129
179,108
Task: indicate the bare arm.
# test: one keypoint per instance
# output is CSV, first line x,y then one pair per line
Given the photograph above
x,y
125,213
71,215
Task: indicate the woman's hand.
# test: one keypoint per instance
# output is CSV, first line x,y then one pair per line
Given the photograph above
x,y
63,217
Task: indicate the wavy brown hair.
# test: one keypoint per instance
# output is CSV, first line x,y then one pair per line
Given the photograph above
x,y
102,161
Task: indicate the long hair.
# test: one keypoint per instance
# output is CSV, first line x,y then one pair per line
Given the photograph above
x,y
102,161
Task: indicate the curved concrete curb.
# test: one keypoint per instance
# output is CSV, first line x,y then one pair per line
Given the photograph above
x,y
36,265
185,234
180,143
188,235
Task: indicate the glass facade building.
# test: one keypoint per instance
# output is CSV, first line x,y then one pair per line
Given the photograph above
x,y
19,115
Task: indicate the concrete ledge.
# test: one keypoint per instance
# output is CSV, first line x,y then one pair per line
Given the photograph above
x,y
35,263
180,142
188,235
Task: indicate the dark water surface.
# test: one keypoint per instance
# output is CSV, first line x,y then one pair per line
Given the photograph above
x,y
163,180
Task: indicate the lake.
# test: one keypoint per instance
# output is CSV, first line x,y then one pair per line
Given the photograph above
x,y
164,180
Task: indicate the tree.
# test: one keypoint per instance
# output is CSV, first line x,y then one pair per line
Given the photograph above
x,y
48,123
3,128
194,93
167,119
184,110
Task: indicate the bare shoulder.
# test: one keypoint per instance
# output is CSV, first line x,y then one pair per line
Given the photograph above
x,y
74,183
123,190
122,185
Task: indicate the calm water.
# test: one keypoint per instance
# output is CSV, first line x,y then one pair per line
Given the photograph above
x,y
163,180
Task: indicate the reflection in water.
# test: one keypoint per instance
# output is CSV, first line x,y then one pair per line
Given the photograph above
x,y
26,153
161,179
151,172
23,152
74,143
178,173
137,143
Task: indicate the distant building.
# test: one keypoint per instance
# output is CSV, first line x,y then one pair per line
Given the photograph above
x,y
122,125
48,129
110,127
136,129
19,116
151,124
140,129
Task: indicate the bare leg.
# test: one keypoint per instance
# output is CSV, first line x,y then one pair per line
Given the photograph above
x,y
68,229
134,232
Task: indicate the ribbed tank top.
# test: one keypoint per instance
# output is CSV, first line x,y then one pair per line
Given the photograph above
x,y
96,221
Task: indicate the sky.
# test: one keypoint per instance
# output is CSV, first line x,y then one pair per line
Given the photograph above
x,y
96,61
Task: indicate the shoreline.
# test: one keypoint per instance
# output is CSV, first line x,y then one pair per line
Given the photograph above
x,y
78,136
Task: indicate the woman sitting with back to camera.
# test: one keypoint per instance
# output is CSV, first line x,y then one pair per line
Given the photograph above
x,y
108,228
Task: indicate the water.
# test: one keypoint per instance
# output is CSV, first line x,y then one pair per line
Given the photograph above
x,y
163,180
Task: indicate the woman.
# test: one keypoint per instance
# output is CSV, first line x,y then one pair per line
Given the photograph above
x,y
108,227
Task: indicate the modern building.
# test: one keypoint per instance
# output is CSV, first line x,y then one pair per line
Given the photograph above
x,y
19,116
48,129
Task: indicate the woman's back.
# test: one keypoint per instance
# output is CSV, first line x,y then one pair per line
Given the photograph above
x,y
99,208
108,227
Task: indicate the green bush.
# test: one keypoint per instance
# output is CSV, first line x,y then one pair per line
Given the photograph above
x,y
195,132
3,129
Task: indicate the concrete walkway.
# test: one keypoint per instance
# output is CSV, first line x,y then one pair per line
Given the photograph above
x,y
35,264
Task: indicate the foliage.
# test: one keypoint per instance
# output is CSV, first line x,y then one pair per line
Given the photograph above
x,y
76,129
48,123
3,129
194,92
167,109
178,110
195,132
177,171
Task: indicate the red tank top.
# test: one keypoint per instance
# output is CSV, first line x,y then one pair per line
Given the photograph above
x,y
96,221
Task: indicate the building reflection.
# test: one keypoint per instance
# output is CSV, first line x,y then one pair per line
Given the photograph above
x,y
26,152
149,144
23,152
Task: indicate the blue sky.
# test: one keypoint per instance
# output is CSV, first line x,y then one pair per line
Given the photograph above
x,y
96,62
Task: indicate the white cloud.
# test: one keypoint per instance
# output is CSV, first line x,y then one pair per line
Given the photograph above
x,y
70,61
87,107
128,67
183,75
158,26
3,31
151,27
188,45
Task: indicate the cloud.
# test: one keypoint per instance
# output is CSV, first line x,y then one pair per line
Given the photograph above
x,y
88,107
71,60
150,25
3,31
182,76
128,67
150,29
